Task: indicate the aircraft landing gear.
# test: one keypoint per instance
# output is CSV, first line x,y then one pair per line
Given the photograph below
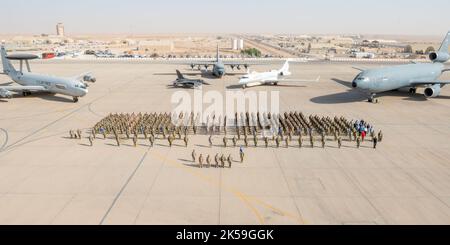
x,y
413,90
372,99
26,93
276,84
75,99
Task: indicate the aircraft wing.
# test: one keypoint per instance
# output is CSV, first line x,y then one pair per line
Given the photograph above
x,y
194,62
225,62
5,91
23,88
248,63
189,83
291,80
359,68
422,83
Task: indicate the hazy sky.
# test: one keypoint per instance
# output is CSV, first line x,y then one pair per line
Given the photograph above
x,y
417,17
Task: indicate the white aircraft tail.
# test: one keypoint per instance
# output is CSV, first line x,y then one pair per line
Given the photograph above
x,y
8,68
284,71
445,44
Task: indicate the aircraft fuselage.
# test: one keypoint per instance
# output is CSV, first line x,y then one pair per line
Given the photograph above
x,y
218,69
397,77
52,84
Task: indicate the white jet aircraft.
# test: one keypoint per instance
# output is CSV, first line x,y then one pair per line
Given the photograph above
x,y
269,78
32,82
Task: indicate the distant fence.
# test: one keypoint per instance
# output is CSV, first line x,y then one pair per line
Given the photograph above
x,y
250,60
376,60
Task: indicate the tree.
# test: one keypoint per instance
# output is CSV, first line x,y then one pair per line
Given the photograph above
x,y
253,52
408,49
430,50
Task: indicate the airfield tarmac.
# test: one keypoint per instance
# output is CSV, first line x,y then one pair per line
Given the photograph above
x,y
46,178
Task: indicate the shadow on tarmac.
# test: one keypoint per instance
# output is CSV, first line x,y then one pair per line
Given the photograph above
x,y
354,95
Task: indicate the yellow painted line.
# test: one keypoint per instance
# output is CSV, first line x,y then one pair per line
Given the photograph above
x,y
247,200
287,214
250,206
211,181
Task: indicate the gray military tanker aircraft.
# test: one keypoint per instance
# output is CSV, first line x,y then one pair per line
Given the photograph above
x,y
32,82
408,76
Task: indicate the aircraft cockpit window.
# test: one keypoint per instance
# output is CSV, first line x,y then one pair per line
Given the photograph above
x,y
364,79
82,86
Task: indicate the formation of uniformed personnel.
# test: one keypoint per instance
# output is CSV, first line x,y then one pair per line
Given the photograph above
x,y
79,134
71,134
172,126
